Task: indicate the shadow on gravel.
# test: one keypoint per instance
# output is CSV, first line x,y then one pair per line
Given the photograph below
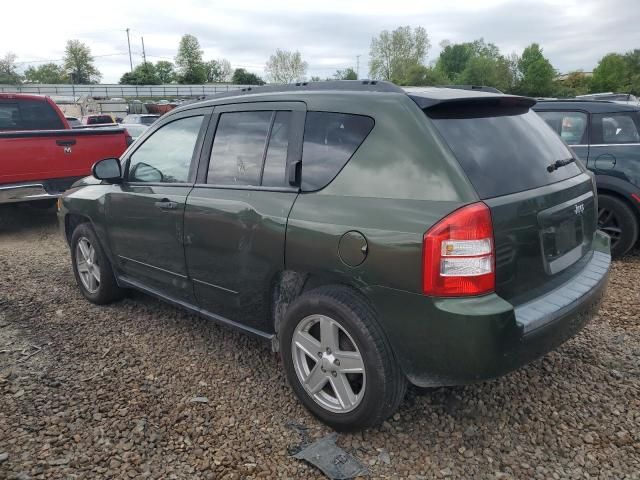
x,y
26,217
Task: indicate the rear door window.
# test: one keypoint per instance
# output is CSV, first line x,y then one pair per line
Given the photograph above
x,y
571,126
503,150
238,148
616,128
330,140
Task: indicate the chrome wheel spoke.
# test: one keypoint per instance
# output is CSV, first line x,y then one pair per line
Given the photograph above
x,y
342,389
349,362
316,380
329,334
307,343
84,249
87,266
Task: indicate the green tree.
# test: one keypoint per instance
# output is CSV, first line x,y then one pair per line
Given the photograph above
x,y
165,72
47,73
8,70
537,73
488,71
612,74
286,67
219,71
419,75
346,74
79,63
453,59
143,74
315,78
393,53
572,84
242,77
191,67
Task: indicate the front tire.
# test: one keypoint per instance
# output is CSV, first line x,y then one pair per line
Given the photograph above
x,y
92,268
617,219
338,361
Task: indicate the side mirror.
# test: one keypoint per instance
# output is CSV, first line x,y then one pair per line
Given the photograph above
x,y
108,170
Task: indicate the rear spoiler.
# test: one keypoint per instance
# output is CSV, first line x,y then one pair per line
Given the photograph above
x,y
483,100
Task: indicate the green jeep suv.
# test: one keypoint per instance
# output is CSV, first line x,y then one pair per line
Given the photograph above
x,y
375,236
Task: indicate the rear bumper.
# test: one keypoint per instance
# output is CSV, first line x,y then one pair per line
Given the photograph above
x,y
34,191
456,341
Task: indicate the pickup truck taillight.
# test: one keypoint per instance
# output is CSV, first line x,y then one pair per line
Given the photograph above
x,y
458,254
128,138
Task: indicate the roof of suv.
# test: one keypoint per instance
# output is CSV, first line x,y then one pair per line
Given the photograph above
x,y
425,97
591,106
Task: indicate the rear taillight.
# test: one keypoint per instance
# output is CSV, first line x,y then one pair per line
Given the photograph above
x,y
128,137
458,254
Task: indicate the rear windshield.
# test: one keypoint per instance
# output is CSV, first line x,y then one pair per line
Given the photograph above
x,y
503,150
29,115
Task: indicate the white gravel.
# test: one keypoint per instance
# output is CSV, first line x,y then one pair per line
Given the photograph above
x,y
140,389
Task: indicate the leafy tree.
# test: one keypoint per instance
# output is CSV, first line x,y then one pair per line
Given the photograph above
x,y
393,53
47,73
286,67
165,72
143,74
8,70
536,71
191,67
242,77
346,74
453,59
488,70
419,75
315,78
218,71
78,63
612,74
572,84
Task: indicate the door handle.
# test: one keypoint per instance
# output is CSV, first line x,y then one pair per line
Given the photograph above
x,y
66,143
166,204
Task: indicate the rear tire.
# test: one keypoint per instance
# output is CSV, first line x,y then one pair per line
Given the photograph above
x,y
617,219
92,268
328,336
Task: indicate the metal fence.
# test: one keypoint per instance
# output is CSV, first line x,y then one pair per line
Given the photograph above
x,y
125,91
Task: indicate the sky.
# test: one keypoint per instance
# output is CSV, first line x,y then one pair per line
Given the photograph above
x,y
329,34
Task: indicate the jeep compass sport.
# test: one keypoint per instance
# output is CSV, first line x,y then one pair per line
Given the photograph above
x,y
375,236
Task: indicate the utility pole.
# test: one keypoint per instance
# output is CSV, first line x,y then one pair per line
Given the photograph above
x,y
144,55
357,67
129,44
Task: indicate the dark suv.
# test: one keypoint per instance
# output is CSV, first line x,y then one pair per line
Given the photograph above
x,y
373,236
606,137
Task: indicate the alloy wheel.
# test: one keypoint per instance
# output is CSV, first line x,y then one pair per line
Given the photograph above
x,y
609,223
87,265
328,363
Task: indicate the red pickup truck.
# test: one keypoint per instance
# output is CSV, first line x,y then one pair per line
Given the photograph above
x,y
40,155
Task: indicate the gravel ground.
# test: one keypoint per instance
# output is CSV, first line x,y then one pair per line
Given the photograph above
x,y
90,392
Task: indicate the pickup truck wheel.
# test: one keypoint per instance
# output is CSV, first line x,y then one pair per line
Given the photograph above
x,y
617,220
338,361
91,267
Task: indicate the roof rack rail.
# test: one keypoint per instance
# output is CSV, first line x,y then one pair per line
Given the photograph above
x,y
342,85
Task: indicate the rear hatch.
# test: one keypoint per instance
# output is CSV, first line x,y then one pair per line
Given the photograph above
x,y
542,201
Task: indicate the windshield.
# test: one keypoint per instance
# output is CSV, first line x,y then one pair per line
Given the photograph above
x,y
504,151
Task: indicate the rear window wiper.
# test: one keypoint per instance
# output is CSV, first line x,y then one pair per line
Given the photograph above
x,y
559,163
